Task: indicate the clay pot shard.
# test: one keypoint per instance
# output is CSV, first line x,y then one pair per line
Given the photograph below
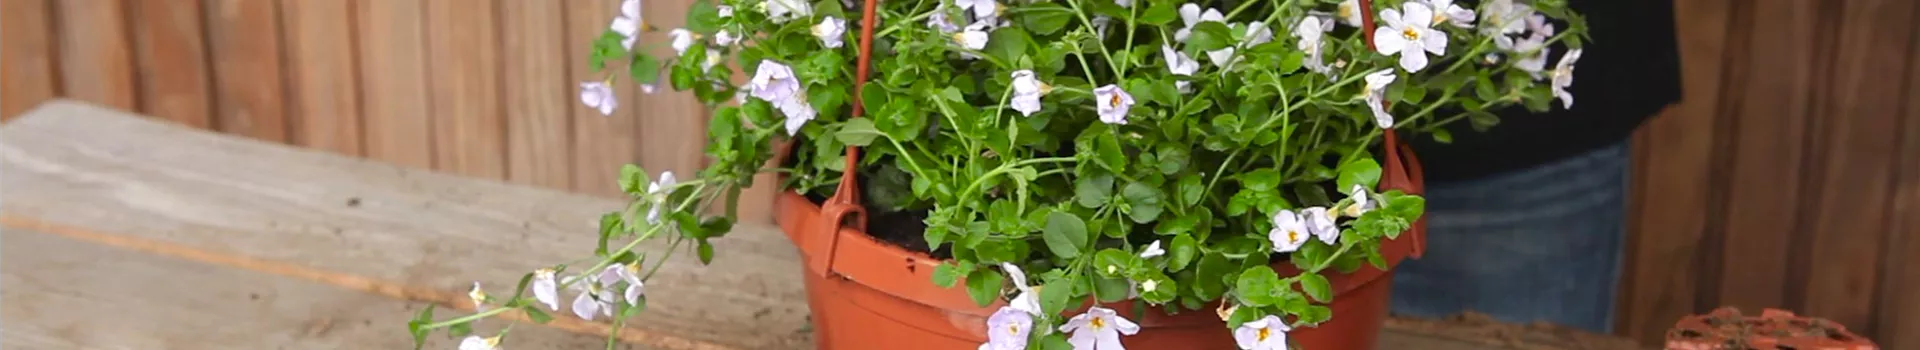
x,y
1726,329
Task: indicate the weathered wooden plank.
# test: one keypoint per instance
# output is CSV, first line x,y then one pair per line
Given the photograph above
x,y
1857,145
469,134
1768,109
672,125
1898,307
601,143
393,82
172,59
65,293
96,55
406,233
245,36
538,92
1658,283
322,76
26,56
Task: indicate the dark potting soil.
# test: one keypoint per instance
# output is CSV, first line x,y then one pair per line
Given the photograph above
x,y
905,228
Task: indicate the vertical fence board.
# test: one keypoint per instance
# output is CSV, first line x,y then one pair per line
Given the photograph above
x,y
1670,223
321,75
26,56
246,54
463,48
172,61
96,54
1857,150
601,144
538,93
393,82
673,125
1899,304
1769,107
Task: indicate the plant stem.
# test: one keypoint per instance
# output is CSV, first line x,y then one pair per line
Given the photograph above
x,y
467,318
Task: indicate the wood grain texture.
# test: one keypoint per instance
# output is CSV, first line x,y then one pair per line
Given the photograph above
x,y
1898,307
171,54
59,289
322,75
393,65
538,93
27,56
96,53
249,87
417,234
1673,181
463,46
1856,142
1767,111
672,125
601,143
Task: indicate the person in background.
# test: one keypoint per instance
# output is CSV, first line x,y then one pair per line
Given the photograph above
x,y
1526,221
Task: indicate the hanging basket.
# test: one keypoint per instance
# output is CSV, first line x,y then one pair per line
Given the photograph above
x,y
868,294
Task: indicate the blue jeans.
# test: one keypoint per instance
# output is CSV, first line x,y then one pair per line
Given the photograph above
x,y
1538,244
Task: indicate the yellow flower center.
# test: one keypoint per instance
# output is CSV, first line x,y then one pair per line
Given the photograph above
x,y
1044,88
1346,11
1114,101
960,38
1264,333
1439,18
1293,236
1097,323
1013,329
1410,34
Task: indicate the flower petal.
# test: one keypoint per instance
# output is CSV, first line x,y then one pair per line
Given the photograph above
x,y
1411,58
1434,41
1418,15
1388,41
585,307
1392,17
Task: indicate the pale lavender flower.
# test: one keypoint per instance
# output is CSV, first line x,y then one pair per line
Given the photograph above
x,y
725,11
1320,224
781,11
981,8
596,293
1191,15
725,38
1349,13
830,30
546,289
479,297
1179,64
1446,12
599,96
630,272
628,23
1503,17
1113,104
1007,329
1410,35
1267,333
1098,329
681,40
1377,96
1027,90
1027,300
1289,232
773,82
1360,205
798,113
1563,77
974,37
1310,30
657,196
474,342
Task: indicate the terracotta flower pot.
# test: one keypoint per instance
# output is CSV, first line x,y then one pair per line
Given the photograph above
x,y
1726,329
868,294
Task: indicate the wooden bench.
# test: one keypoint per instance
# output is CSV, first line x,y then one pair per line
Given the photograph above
x,y
125,232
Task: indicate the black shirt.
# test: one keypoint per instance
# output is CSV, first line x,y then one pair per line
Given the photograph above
x,y
1627,73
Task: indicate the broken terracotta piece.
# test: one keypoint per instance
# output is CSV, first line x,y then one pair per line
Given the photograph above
x,y
1727,329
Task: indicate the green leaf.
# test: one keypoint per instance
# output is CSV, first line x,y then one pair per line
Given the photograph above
x,y
417,326
1055,341
1210,279
458,330
1442,136
645,69
1257,286
1164,289
1317,287
1045,18
1066,234
703,18
534,314
1363,171
681,77
1054,295
1290,63
632,178
1190,190
706,252
857,132
1107,148
948,273
1315,314
1111,289
1173,159
1009,43
1181,252
984,285
1263,179
1093,191
1112,262
1143,200
1244,315
1209,36
1407,207
1160,13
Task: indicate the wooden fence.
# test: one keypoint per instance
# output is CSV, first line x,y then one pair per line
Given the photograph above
x,y
1790,176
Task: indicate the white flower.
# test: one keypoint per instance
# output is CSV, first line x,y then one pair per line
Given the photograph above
x,y
974,37
781,11
1179,64
1377,96
1124,3
1100,24
981,8
1268,333
1563,77
1113,104
1098,329
1530,54
474,342
1410,36
1027,300
1349,13
1152,250
682,39
1191,15
628,23
1149,286
646,88
713,60
1007,329
1256,34
1504,17
596,294
1445,11
546,289
798,113
725,11
479,297
1360,203
773,82
1027,91
725,38
1539,26
598,95
1289,232
630,272
830,30
657,195
1320,224
939,20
